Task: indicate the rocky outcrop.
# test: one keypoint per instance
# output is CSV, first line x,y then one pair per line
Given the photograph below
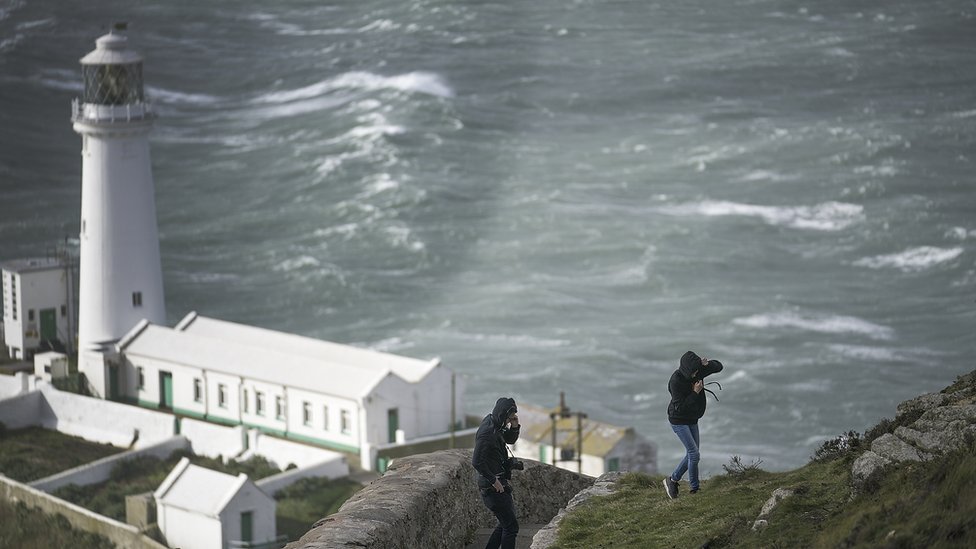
x,y
943,422
431,501
779,495
604,485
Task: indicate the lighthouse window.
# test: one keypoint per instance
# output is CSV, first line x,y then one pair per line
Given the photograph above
x,y
137,299
64,310
222,395
30,315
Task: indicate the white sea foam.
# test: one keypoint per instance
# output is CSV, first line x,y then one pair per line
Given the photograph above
x,y
864,352
829,216
765,175
419,82
172,97
380,25
296,263
827,324
964,114
960,233
912,259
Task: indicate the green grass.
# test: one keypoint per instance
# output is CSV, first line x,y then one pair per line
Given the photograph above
x,y
306,501
33,453
145,474
929,504
26,528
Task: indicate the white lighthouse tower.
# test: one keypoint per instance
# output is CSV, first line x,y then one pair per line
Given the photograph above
x,y
121,279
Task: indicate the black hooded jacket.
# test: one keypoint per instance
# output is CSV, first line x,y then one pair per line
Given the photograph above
x,y
490,454
687,406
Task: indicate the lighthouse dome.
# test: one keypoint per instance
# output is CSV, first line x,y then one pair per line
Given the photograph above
x,y
111,49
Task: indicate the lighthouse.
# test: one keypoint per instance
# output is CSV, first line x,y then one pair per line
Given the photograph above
x,y
120,274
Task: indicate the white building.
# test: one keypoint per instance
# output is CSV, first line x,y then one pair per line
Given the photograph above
x,y
197,508
332,395
37,306
50,365
606,447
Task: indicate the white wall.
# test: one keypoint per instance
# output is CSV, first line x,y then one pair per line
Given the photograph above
x,y
188,530
212,440
25,410
331,468
268,419
101,470
21,382
316,429
284,452
262,507
230,411
92,364
105,421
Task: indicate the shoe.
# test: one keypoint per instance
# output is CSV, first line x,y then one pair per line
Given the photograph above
x,y
671,487
695,491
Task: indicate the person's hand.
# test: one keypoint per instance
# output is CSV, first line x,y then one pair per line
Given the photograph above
x,y
498,486
704,361
698,386
513,421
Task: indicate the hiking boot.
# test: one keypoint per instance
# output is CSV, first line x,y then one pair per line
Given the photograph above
x,y
671,487
695,491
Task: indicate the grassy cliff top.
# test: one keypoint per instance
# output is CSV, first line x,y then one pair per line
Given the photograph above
x,y
928,503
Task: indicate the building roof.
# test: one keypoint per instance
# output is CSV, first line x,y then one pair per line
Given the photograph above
x,y
410,369
599,438
194,488
31,264
263,357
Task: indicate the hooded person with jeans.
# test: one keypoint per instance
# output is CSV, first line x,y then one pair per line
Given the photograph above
x,y
490,460
686,408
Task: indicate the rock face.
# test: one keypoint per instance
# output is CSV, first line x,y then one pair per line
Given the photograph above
x,y
944,422
603,486
432,501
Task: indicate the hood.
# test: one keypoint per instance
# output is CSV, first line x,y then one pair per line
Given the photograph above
x,y
689,363
503,407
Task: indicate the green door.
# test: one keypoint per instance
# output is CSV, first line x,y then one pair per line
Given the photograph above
x,y
49,325
113,382
381,464
247,525
393,421
165,390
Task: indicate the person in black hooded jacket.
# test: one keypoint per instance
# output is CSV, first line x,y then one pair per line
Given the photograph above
x,y
686,408
490,460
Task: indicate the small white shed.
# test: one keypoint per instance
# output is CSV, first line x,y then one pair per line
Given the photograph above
x,y
198,508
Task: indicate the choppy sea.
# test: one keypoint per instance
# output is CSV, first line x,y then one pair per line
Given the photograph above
x,y
552,195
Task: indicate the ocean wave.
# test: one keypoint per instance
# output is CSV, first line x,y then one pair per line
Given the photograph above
x,y
180,98
829,216
882,354
826,324
912,259
765,175
964,114
296,263
960,233
420,82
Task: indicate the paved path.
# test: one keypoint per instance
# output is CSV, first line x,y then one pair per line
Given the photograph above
x,y
524,540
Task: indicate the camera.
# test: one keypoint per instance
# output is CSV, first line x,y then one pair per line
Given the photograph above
x,y
515,464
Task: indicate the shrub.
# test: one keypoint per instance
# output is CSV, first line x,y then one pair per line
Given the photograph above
x,y
736,468
838,447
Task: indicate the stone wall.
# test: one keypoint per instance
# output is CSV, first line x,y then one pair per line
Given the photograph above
x,y
122,535
432,501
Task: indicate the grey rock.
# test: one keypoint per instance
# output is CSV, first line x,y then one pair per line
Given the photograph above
x,y
895,449
922,403
759,525
604,485
779,494
949,414
933,442
866,466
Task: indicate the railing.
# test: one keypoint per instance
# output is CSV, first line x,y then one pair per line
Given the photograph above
x,y
89,112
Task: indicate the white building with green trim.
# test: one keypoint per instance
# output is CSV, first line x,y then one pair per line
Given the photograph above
x,y
332,395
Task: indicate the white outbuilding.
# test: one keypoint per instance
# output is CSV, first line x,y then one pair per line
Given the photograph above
x,y
605,447
336,396
37,305
198,508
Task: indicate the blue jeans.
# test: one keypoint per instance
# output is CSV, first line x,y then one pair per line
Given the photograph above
x,y
688,435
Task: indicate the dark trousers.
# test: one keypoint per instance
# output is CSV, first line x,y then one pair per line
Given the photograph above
x,y
503,506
